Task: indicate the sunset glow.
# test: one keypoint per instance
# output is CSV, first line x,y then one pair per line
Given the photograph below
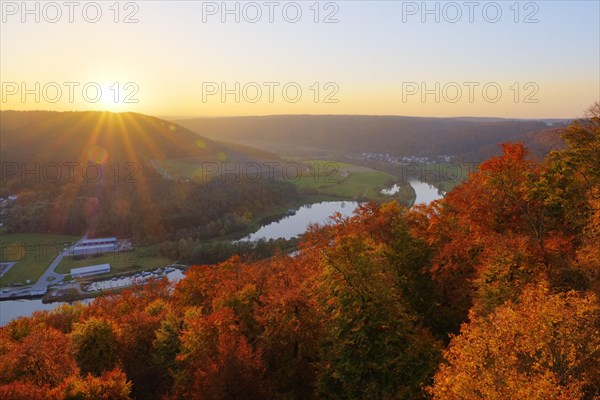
x,y
300,200
357,59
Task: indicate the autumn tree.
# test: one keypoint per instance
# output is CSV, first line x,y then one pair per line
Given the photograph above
x,y
508,263
583,140
97,346
583,154
20,390
217,361
513,223
291,321
111,385
165,348
43,357
588,255
63,317
373,345
137,335
546,346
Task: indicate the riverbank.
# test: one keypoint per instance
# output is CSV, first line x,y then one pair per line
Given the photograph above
x,y
74,290
105,285
287,223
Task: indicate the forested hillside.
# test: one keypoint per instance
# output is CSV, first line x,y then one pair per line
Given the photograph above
x,y
93,172
489,293
467,139
105,137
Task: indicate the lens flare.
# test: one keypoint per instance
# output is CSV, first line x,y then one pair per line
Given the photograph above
x,y
97,154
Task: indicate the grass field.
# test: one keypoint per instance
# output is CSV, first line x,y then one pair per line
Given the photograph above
x,y
328,178
119,262
184,168
203,169
348,181
33,253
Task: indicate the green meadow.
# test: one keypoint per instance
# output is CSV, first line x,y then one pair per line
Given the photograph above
x,y
32,253
345,180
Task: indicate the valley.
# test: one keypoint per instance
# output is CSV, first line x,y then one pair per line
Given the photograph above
x,y
161,199
345,200
156,198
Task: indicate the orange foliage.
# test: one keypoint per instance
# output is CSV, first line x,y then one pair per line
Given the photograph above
x,y
220,362
44,357
362,309
111,385
544,347
19,390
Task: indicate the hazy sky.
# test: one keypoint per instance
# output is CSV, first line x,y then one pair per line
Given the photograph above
x,y
505,58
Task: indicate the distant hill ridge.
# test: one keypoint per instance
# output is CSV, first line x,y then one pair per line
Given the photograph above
x,y
466,137
45,136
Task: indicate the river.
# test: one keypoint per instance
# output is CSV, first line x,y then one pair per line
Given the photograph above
x,y
293,225
11,309
426,193
319,213
287,227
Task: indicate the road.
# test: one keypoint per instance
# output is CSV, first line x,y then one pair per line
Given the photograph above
x,y
49,277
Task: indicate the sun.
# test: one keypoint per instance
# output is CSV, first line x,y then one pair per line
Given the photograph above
x,y
115,96
111,98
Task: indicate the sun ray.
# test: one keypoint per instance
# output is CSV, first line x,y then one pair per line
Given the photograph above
x,y
153,149
143,188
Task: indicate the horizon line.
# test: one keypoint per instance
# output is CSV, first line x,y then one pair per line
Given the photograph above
x,y
187,117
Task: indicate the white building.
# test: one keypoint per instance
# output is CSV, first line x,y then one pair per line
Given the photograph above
x,y
95,242
91,270
91,247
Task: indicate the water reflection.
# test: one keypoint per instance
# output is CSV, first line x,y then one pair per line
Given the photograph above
x,y
391,190
11,309
296,224
426,193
